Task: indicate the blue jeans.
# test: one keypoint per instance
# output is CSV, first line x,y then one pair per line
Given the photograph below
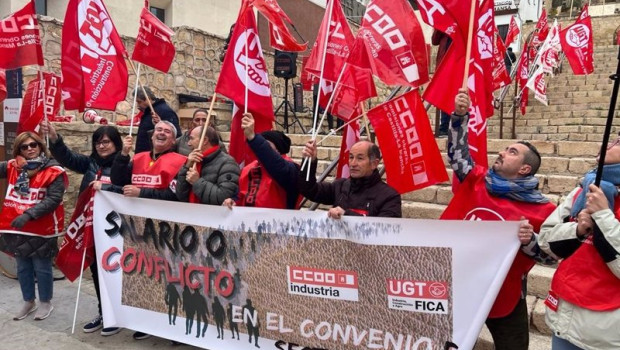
x,y
27,268
561,344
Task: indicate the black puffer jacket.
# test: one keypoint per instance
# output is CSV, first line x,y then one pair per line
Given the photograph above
x,y
368,194
82,164
29,246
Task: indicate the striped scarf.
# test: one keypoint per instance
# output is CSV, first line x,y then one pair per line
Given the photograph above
x,y
523,189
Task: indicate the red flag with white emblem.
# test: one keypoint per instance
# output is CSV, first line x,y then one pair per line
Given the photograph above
x,y
410,154
444,86
243,63
578,44
391,30
20,41
280,37
94,73
542,29
537,84
550,50
154,45
501,75
522,76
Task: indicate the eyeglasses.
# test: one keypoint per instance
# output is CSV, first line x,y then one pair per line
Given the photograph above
x,y
25,146
103,143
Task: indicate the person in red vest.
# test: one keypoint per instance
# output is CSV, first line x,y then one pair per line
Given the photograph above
x,y
32,218
149,174
271,180
583,305
507,191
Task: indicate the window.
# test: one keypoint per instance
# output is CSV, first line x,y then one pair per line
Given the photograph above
x,y
41,7
503,30
159,13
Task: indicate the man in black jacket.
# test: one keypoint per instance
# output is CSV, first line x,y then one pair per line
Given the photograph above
x,y
149,119
364,193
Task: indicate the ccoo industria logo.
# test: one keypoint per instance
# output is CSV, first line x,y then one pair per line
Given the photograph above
x,y
322,283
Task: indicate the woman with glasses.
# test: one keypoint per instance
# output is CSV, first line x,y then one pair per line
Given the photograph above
x,y
32,218
106,143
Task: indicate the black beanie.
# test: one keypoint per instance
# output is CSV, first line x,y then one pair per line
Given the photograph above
x,y
278,138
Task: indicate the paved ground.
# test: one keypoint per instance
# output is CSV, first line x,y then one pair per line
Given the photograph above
x,y
55,332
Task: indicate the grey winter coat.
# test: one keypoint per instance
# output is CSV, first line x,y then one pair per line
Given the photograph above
x,y
219,179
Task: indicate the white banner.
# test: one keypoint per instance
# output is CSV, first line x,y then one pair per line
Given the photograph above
x,y
286,279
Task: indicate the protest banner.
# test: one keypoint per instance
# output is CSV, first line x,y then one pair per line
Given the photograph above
x,y
283,278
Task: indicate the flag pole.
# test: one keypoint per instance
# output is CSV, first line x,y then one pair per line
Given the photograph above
x,y
365,119
204,130
334,131
133,67
329,102
469,41
42,85
318,97
77,300
135,95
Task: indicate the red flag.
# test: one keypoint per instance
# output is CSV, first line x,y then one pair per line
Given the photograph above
x,y
340,41
542,28
20,42
238,147
537,84
231,82
78,238
154,45
578,44
447,16
549,51
411,156
94,73
513,31
41,99
350,136
392,32
3,91
523,72
501,75
280,37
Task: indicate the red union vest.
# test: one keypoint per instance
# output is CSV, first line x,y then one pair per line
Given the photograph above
x,y
15,204
473,202
585,280
160,173
258,189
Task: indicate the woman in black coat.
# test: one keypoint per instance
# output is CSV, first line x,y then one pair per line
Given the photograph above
x,y
106,143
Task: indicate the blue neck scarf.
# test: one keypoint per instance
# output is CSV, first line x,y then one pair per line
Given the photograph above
x,y
523,189
609,181
22,184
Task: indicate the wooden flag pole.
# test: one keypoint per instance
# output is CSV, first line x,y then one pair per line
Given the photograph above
x,y
204,130
472,12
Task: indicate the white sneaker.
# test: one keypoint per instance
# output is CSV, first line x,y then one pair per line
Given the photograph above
x,y
28,308
45,309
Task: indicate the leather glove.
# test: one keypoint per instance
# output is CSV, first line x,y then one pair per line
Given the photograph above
x,y
21,220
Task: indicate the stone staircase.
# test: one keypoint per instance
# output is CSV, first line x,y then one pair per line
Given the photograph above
x,y
567,134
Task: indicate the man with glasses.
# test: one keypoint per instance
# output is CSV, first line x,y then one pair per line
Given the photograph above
x,y
507,191
583,305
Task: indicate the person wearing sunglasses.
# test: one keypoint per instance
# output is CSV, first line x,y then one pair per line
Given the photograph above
x,y
106,143
32,218
583,305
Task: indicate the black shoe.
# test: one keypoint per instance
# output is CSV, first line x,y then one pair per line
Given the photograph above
x,y
442,134
140,335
